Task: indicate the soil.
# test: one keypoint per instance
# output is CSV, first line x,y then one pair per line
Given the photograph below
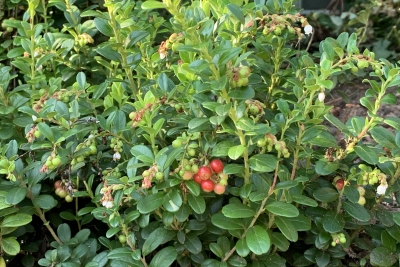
x,y
345,100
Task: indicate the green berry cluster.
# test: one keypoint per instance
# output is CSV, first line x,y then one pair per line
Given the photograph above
x,y
338,238
7,167
110,172
238,77
279,24
84,149
62,190
361,199
149,174
53,161
255,107
367,175
270,141
116,145
63,95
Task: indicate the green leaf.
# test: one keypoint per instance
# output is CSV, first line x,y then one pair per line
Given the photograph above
x,y
81,79
45,202
10,245
305,200
222,148
193,187
135,37
64,232
164,257
237,12
223,222
257,239
193,243
241,248
46,131
16,220
287,228
352,193
301,223
150,202
383,257
367,154
103,27
154,240
172,201
324,167
282,209
236,151
333,222
238,210
16,195
197,203
356,211
322,258
396,217
283,107
383,137
152,5
336,122
143,153
388,241
325,194
262,163
280,241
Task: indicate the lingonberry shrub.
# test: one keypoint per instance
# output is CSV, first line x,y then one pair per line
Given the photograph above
x,y
157,133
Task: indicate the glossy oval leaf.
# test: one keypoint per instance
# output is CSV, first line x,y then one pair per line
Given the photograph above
x,y
150,202
282,209
238,210
356,211
257,239
326,194
333,222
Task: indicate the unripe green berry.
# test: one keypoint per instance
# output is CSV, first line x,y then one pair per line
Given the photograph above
x,y
176,143
159,175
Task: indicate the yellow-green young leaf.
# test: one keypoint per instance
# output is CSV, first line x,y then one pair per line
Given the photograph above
x,y
282,209
236,151
16,220
257,239
238,210
152,5
10,245
287,228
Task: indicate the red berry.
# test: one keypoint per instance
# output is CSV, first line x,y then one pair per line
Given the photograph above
x,y
204,173
57,184
219,189
207,185
197,178
339,184
217,165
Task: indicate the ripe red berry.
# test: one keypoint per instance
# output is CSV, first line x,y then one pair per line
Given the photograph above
x,y
197,178
204,173
339,184
217,165
219,189
207,185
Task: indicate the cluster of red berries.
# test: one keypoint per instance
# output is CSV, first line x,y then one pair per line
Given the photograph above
x,y
62,190
210,178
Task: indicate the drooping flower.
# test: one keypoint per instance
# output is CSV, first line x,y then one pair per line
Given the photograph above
x,y
321,96
116,156
308,29
381,190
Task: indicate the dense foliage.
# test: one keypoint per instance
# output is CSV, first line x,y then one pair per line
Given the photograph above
x,y
168,134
